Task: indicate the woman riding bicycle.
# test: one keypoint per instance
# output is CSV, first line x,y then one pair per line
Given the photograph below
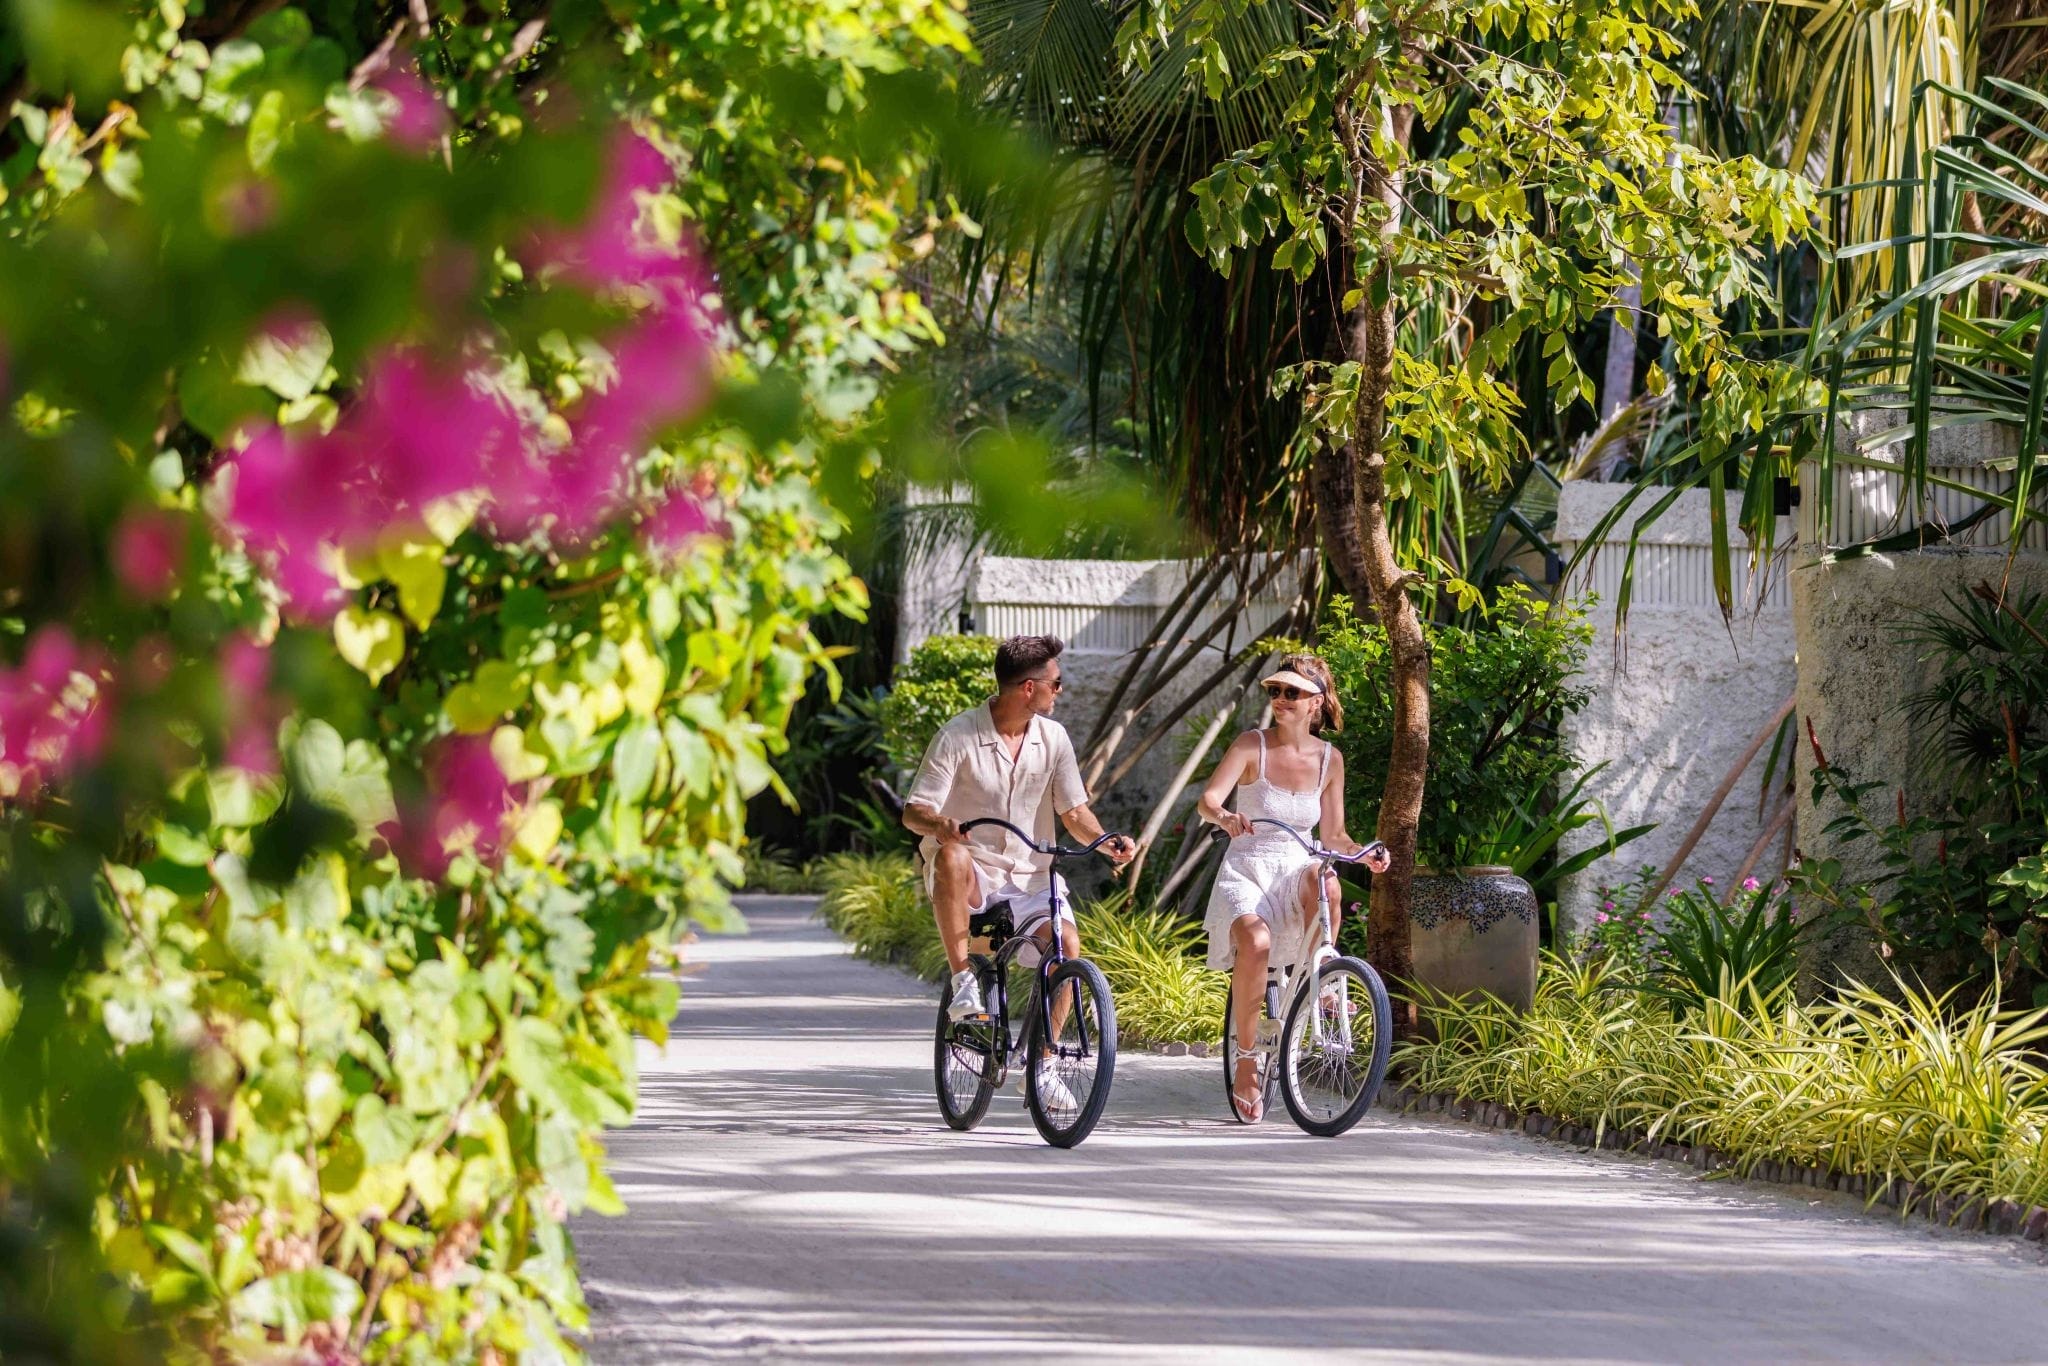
x,y
1265,891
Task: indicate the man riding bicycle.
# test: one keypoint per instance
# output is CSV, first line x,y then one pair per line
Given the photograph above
x,y
1005,758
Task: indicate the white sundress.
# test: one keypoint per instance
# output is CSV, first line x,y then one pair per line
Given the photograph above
x,y
1262,872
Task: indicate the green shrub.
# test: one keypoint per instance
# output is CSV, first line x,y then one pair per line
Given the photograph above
x,y
876,902
770,869
409,575
1165,991
1899,1085
1502,785
1709,951
944,676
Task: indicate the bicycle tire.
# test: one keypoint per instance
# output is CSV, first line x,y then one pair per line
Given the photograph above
x,y
1064,1126
1313,1119
965,1090
1229,1052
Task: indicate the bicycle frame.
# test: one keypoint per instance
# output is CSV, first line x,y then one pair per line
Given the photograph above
x,y
1299,976
1052,955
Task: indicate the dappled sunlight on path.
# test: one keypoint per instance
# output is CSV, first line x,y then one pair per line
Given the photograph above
x,y
794,1195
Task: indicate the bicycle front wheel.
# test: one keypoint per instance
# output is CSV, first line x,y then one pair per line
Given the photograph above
x,y
1070,1067
966,1056
1333,1051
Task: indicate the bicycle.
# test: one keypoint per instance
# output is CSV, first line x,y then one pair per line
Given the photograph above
x,y
1327,1074
972,1057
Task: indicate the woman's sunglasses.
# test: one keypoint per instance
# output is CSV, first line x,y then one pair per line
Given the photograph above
x,y
1287,691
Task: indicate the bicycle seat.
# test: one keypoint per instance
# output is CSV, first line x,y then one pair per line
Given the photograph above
x,y
992,923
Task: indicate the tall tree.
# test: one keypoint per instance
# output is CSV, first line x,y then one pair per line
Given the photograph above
x,y
1560,174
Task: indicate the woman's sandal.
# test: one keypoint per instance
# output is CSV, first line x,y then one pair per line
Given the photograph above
x,y
1253,1110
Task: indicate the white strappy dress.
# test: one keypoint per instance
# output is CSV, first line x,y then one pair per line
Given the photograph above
x,y
1262,872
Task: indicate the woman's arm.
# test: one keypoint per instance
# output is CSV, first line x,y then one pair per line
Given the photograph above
x,y
1229,773
1335,836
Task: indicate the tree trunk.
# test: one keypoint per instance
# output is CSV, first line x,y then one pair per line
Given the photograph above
x,y
1335,482
1372,326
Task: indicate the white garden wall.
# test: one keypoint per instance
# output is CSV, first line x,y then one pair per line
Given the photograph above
x,y
1679,696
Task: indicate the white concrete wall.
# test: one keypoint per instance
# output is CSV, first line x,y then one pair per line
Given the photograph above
x,y
1679,697
939,561
1855,666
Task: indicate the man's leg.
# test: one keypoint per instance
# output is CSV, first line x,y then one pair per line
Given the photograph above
x,y
1070,940
956,890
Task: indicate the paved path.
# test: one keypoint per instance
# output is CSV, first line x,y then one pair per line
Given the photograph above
x,y
795,1198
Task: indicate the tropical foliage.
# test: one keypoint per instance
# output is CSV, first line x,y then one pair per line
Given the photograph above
x,y
1893,1085
944,676
411,493
1498,760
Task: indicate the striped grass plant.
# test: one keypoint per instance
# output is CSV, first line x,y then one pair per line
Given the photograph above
x,y
1906,1085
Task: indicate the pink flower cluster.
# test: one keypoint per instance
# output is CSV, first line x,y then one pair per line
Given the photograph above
x,y
53,715
420,431
252,715
468,806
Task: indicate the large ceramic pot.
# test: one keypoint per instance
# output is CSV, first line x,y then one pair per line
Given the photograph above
x,y
1474,930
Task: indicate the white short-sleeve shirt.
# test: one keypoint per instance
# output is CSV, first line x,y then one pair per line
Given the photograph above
x,y
968,773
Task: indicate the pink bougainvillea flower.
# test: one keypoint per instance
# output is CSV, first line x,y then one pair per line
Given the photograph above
x,y
252,714
149,552
467,807
676,522
53,712
415,434
608,249
420,119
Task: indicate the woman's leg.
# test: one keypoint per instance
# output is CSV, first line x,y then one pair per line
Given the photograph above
x,y
1253,943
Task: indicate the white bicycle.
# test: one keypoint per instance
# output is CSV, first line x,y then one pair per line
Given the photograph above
x,y
1327,1048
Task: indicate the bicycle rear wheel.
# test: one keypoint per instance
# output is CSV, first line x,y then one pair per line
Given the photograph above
x,y
965,1056
1333,1051
1269,1075
1067,1082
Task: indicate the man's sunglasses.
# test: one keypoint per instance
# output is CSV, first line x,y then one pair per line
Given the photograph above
x,y
1056,684
1287,691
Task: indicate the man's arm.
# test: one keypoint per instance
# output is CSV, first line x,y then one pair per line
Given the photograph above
x,y
928,792
1082,824
920,819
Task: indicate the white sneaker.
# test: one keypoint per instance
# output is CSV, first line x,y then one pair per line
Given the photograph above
x,y
1053,1093
966,997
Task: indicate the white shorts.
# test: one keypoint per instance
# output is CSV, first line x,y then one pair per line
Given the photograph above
x,y
1025,907
1028,910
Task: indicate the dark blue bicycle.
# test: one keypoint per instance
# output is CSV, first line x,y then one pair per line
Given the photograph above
x,y
1064,1037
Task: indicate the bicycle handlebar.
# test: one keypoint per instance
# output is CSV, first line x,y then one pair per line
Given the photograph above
x,y
1364,852
1055,849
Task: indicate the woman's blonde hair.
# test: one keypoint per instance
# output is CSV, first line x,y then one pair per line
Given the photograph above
x,y
1329,711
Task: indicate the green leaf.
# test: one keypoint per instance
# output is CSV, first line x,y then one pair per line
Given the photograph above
x,y
240,799
288,362
294,1300
416,568
633,760
373,642
266,129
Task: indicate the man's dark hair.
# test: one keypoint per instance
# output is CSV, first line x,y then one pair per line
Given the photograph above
x,y
1019,657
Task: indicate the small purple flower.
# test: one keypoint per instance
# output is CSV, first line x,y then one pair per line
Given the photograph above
x,y
1706,882
1607,905
1750,884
